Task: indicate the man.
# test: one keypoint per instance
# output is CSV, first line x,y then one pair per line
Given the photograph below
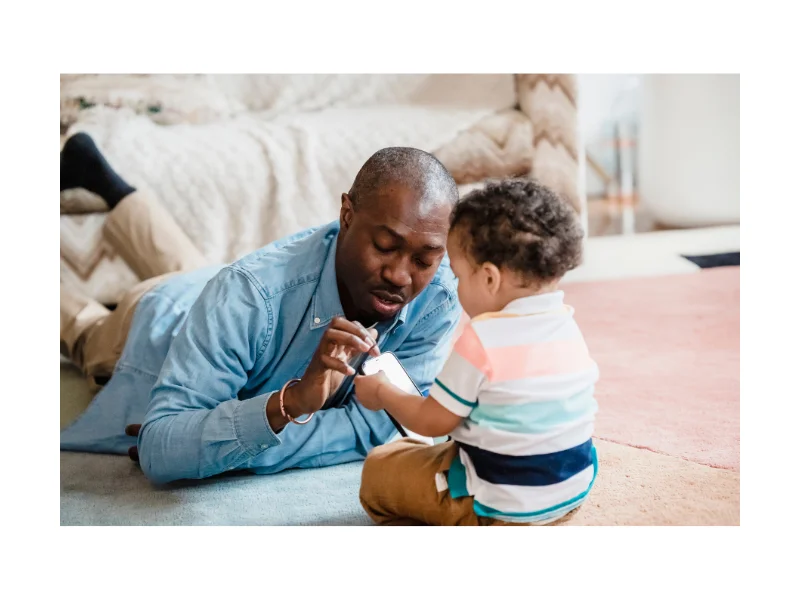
x,y
203,358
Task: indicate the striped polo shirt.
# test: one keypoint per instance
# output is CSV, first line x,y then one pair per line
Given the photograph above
x,y
523,380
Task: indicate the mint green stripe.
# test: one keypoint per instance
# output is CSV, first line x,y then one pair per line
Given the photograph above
x,y
457,478
484,511
454,395
535,417
488,511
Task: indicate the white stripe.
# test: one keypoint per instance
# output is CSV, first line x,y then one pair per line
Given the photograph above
x,y
461,376
568,436
524,498
521,331
539,389
536,304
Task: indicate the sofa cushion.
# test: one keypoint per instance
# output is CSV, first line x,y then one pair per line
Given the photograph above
x,y
501,145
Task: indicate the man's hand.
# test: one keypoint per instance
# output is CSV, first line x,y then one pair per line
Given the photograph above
x,y
368,390
340,343
133,431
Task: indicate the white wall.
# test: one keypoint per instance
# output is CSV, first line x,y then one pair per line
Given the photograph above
x,y
689,149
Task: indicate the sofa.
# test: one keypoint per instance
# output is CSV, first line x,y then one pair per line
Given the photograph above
x,y
242,160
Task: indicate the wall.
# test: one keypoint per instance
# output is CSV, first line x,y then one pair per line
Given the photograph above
x,y
689,149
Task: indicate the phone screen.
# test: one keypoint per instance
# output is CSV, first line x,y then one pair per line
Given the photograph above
x,y
390,365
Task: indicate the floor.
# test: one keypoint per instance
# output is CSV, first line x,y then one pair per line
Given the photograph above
x,y
651,254
655,470
668,352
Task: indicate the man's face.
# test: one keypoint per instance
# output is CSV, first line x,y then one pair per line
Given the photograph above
x,y
389,249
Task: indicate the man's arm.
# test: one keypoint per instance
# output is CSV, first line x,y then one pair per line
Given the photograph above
x,y
196,426
192,430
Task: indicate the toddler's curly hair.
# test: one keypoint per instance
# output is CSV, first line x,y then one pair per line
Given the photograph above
x,y
521,225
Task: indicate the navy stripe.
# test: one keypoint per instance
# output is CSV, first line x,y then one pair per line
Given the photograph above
x,y
537,469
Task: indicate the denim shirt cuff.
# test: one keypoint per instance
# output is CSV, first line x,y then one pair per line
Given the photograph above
x,y
252,428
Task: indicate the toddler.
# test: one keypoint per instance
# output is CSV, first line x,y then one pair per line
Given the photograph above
x,y
516,395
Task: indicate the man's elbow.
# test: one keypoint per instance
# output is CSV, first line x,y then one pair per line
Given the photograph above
x,y
157,470
154,470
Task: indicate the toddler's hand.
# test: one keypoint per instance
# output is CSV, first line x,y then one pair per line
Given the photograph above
x,y
367,387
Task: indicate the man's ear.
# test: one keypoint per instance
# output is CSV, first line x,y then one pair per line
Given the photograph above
x,y
346,213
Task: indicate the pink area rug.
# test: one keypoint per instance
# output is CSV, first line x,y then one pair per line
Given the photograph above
x,y
668,351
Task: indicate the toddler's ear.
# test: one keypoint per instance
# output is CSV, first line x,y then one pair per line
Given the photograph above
x,y
491,276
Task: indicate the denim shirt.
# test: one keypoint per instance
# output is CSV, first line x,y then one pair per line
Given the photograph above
x,y
209,347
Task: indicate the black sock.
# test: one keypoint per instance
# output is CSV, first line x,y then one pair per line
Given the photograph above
x,y
82,165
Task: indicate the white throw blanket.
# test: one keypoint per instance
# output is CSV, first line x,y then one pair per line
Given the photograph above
x,y
282,163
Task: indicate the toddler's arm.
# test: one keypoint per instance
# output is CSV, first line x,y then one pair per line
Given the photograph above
x,y
425,416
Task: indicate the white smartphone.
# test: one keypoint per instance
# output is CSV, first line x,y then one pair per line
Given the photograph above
x,y
391,366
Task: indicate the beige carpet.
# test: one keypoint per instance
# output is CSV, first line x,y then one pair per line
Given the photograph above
x,y
640,487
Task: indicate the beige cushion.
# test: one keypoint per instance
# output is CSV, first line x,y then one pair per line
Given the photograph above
x,y
500,145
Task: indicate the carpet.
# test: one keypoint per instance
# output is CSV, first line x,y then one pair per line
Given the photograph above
x,y
668,351
75,393
99,489
639,487
634,487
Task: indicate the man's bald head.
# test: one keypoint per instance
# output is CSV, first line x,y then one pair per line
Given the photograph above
x,y
411,168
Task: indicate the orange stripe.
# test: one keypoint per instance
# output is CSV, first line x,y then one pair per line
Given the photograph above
x,y
462,325
493,315
537,360
469,347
